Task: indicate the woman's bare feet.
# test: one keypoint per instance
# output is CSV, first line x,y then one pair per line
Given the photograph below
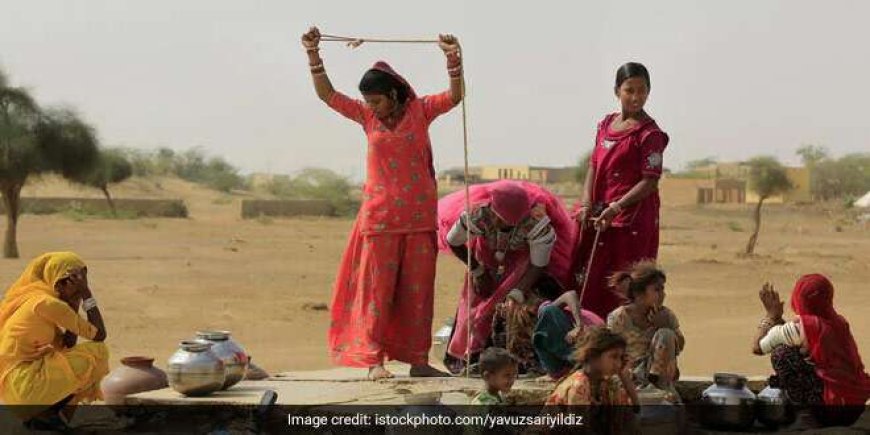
x,y
427,371
379,372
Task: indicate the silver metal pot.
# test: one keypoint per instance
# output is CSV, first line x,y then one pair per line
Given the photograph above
x,y
773,408
728,403
194,370
234,357
441,339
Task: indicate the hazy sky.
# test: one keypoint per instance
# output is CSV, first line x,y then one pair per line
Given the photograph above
x,y
729,78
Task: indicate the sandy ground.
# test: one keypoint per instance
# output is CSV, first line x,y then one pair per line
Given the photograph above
x,y
159,280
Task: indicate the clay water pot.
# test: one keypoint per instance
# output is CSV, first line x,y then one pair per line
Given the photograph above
x,y
234,357
136,374
194,370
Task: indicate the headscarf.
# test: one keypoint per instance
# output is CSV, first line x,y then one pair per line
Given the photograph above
x,y
38,280
510,202
386,68
831,345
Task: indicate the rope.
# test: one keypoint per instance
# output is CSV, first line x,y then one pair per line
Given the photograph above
x,y
354,42
468,281
589,267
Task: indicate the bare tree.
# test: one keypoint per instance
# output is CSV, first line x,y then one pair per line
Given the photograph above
x,y
767,177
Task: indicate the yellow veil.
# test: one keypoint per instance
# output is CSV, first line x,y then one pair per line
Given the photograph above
x,y
38,280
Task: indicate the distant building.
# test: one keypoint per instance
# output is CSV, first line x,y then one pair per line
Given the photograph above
x,y
722,190
728,183
487,173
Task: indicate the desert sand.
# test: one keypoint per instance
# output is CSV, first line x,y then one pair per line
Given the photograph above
x,y
268,280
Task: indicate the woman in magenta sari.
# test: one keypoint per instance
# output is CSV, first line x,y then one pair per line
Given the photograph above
x,y
521,241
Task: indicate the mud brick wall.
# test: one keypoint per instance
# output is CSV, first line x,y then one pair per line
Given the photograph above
x,y
253,208
170,208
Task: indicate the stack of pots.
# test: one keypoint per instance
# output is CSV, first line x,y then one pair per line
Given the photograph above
x,y
233,356
209,363
194,370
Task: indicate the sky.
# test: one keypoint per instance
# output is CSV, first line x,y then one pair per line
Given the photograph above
x,y
730,79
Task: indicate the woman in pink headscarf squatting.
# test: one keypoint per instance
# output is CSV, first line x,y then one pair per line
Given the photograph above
x,y
383,297
521,245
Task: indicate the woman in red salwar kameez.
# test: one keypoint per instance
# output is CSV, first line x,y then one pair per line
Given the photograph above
x,y
383,297
620,196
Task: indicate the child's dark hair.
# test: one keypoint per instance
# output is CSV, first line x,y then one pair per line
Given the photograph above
x,y
639,276
494,359
378,82
630,70
595,342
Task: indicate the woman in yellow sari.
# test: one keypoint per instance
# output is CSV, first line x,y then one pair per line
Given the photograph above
x,y
40,363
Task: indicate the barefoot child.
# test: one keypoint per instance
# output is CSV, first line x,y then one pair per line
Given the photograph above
x,y
651,330
499,370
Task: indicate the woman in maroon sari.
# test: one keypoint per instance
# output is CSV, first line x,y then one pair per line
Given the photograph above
x,y
620,196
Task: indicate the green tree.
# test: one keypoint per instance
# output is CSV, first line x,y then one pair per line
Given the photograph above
x,y
140,161
316,183
164,161
33,142
112,167
846,176
767,177
812,154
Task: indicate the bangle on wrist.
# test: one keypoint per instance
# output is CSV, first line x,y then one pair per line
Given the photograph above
x,y
89,304
312,49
